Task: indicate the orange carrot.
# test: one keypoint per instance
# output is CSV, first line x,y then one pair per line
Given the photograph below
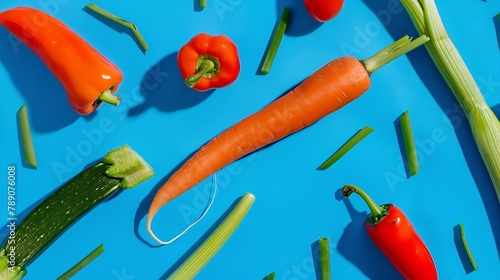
x,y
327,90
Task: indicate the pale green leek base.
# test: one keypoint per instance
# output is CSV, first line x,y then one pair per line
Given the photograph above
x,y
8,272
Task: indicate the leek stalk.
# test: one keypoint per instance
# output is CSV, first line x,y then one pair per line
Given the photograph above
x,y
483,122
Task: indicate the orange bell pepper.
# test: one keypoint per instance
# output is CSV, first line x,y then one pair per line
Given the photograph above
x,y
88,77
208,62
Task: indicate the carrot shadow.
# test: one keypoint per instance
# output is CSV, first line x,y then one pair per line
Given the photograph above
x,y
200,241
398,23
44,94
301,22
357,247
164,89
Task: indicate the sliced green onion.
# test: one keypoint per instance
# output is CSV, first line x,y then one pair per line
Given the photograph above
x,y
121,21
26,138
83,263
484,124
214,242
467,249
409,141
271,276
355,139
275,42
203,3
324,258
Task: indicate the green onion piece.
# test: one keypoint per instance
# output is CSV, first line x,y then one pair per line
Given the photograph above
x,y
121,21
203,3
411,151
26,138
214,242
271,276
484,124
324,258
275,41
83,263
355,139
467,249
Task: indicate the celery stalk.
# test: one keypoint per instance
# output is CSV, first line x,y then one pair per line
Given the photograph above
x,y
409,141
82,263
26,138
214,242
484,124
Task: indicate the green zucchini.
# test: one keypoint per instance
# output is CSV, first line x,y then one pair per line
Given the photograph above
x,y
120,168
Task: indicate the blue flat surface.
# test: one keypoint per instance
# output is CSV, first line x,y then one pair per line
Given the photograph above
x,y
296,204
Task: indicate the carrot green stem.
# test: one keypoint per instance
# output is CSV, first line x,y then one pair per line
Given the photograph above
x,y
26,138
83,263
121,21
467,249
190,268
378,212
203,3
324,258
411,152
393,51
108,97
276,40
355,139
271,276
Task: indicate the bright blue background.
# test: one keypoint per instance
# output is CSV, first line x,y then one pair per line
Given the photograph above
x,y
295,203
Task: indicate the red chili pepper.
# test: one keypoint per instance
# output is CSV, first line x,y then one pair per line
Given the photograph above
x,y
208,62
324,10
88,77
394,235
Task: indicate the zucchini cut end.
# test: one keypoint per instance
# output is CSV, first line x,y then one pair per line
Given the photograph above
x,y
128,165
8,270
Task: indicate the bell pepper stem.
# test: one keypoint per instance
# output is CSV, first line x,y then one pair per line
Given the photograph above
x,y
108,97
206,67
376,210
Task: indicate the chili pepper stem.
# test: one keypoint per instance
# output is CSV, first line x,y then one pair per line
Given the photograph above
x,y
206,67
376,210
108,97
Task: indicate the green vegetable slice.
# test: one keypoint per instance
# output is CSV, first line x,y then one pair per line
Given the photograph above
x,y
203,3
324,258
355,139
271,276
411,152
275,42
82,263
214,242
26,138
467,249
121,21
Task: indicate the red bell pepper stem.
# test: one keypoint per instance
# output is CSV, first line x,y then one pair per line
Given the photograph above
x,y
207,67
377,212
108,97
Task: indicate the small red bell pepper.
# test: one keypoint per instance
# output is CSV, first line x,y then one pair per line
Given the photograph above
x,y
88,77
392,232
208,62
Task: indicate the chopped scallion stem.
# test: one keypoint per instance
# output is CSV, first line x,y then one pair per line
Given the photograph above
x,y
271,276
411,152
214,242
83,263
467,249
203,3
276,40
324,258
362,133
121,21
26,138
484,124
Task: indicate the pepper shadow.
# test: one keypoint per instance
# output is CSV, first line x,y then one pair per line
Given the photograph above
x,y
49,109
399,24
163,88
301,22
357,247
200,241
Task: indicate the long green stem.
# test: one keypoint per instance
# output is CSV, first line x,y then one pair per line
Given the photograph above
x,y
190,268
378,212
484,124
26,138
276,40
466,247
121,21
411,151
324,258
82,263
